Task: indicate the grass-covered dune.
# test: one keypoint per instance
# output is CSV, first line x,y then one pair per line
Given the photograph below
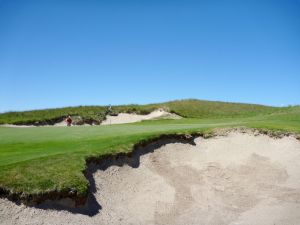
x,y
39,160
191,108
51,116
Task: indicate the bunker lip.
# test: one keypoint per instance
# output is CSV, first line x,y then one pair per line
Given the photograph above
x,y
131,158
104,161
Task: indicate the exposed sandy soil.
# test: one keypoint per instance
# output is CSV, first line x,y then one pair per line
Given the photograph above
x,y
241,178
132,118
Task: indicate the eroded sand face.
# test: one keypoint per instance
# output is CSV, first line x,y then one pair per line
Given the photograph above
x,y
238,179
123,118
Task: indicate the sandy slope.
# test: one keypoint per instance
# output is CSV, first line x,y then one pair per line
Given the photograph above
x,y
132,118
235,179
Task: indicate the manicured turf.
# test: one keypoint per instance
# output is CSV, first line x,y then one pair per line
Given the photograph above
x,y
42,159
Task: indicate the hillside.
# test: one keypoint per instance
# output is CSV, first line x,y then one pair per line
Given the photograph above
x,y
190,108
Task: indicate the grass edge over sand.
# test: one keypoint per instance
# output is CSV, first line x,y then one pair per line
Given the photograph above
x,y
79,192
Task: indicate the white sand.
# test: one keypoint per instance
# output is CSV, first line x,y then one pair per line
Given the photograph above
x,y
233,180
122,118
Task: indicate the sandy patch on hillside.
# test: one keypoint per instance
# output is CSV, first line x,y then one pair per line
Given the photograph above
x,y
235,179
132,118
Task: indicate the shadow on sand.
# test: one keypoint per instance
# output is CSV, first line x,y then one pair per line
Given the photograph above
x,y
92,206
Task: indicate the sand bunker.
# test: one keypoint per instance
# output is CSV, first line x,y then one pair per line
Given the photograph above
x,y
241,178
132,118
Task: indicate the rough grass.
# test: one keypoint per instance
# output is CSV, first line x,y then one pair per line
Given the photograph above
x,y
43,159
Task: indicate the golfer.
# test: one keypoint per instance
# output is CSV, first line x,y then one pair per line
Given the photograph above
x,y
69,121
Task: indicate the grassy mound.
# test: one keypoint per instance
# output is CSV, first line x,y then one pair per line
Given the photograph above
x,y
186,108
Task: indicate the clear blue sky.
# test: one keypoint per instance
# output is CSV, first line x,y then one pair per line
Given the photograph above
x,y
61,53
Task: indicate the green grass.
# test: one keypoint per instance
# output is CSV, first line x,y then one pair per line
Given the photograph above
x,y
42,159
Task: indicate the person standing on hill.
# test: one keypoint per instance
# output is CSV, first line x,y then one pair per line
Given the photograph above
x,y
69,121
